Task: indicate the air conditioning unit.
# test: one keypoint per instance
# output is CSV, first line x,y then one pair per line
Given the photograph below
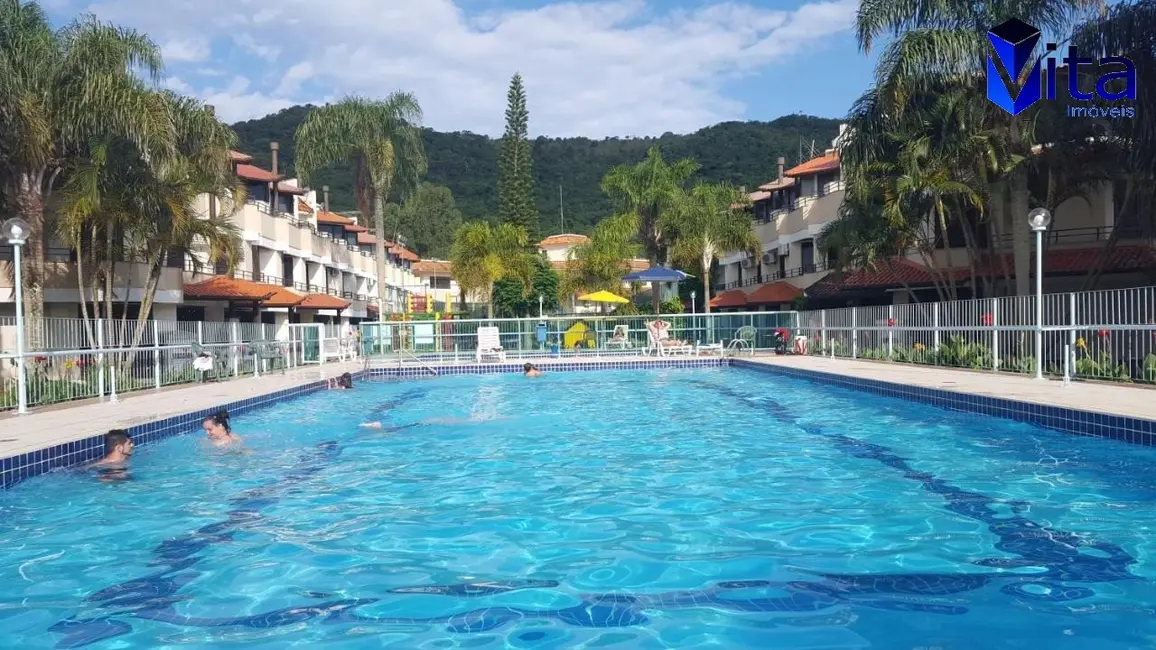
x,y
785,250
769,257
748,263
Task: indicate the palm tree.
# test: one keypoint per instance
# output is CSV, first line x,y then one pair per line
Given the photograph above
x,y
60,89
483,254
945,43
121,204
711,220
645,192
600,262
382,138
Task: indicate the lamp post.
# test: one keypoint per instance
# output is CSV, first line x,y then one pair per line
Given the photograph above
x,y
16,232
539,305
1038,220
692,294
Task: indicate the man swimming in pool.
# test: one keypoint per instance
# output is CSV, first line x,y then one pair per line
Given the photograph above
x,y
118,448
530,370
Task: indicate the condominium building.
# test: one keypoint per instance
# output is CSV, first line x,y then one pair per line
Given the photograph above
x,y
299,263
791,211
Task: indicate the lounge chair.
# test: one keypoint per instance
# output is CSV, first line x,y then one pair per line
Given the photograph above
x,y
744,340
658,333
489,345
620,340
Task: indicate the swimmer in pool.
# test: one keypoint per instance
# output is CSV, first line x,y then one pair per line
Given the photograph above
x,y
530,370
344,382
118,448
219,432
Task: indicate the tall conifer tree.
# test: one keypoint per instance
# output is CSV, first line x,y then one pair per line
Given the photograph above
x,y
515,178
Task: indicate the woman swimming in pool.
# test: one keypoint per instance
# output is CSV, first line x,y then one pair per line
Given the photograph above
x,y
218,430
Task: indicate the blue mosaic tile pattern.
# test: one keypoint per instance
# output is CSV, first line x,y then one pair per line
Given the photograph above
x,y
1085,423
81,452
1064,557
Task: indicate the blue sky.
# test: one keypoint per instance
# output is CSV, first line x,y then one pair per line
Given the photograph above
x,y
592,67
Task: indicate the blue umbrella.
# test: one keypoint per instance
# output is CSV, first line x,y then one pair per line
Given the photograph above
x,y
657,274
654,275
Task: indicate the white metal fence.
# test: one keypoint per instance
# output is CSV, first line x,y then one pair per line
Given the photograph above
x,y
80,359
1102,335
1099,335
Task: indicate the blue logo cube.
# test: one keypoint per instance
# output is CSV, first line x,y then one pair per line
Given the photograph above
x,y
1014,42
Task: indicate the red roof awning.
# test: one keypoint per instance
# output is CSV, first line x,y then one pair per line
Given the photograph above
x,y
323,301
774,293
732,298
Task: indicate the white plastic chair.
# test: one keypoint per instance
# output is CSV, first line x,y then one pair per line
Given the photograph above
x,y
489,345
620,340
658,334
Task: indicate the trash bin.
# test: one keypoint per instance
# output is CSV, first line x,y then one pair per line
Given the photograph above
x,y
554,350
540,333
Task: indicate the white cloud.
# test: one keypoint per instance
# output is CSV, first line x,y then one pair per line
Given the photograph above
x,y
190,49
596,68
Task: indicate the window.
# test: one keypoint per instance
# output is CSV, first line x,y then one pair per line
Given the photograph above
x,y
439,282
286,270
807,251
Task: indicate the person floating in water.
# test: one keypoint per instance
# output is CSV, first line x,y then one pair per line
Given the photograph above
x,y
218,430
530,370
118,448
344,382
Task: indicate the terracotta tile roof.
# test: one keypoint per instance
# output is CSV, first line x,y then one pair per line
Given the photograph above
x,y
352,227
1057,261
237,156
332,218
758,196
322,301
404,253
365,239
304,207
563,240
429,267
282,298
252,173
775,292
777,184
732,298
286,188
825,163
225,288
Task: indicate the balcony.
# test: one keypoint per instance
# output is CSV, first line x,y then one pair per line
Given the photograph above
x,y
771,276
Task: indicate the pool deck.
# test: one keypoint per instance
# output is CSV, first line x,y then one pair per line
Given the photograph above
x,y
52,425
49,426
1112,399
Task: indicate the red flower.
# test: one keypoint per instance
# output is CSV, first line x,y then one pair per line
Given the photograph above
x,y
988,319
890,322
40,359
1102,334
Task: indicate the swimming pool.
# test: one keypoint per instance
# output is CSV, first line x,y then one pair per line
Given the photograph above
x,y
635,509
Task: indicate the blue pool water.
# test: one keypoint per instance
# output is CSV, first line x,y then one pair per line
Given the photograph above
x,y
638,509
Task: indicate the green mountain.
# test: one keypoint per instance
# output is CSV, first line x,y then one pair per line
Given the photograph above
x,y
743,153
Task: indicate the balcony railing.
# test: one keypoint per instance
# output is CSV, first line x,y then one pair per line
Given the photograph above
x,y
771,276
1089,235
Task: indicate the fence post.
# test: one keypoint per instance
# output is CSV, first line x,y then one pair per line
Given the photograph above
x,y
157,353
822,330
100,358
890,330
935,330
236,350
854,334
200,333
995,334
1074,322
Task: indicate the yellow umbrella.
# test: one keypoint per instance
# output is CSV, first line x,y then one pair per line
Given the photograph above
x,y
603,296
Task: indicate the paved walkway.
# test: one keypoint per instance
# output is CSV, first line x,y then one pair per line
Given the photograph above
x,y
1114,399
54,425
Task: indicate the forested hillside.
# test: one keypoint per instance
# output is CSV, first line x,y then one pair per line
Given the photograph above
x,y
741,152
